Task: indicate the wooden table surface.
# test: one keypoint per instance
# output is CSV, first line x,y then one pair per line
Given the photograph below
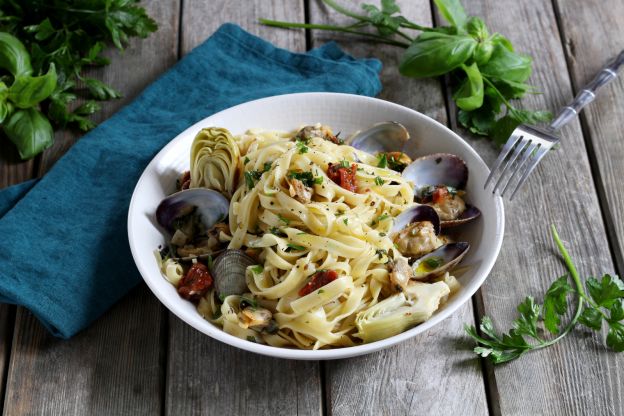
x,y
138,359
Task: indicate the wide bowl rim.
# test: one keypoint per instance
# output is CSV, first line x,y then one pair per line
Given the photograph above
x,y
323,354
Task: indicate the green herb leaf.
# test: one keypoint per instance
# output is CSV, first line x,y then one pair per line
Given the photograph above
x,y
30,131
346,221
556,303
379,181
99,90
615,336
383,160
508,65
606,291
13,55
283,219
257,269
469,95
301,146
433,54
27,91
295,247
616,311
453,12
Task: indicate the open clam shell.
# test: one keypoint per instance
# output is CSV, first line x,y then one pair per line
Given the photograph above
x,y
440,260
437,169
211,206
228,272
387,136
470,213
416,214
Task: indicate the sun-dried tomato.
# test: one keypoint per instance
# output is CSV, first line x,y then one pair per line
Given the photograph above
x,y
440,194
195,283
345,177
319,279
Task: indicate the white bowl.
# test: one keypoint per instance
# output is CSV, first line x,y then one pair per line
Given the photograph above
x,y
345,113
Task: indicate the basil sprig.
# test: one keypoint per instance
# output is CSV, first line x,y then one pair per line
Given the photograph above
x,y
486,72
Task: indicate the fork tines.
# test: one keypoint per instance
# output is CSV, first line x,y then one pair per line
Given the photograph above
x,y
517,160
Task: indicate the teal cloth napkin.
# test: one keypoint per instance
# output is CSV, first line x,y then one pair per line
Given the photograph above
x,y
64,251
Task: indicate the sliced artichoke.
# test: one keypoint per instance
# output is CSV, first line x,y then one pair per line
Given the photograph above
x,y
215,161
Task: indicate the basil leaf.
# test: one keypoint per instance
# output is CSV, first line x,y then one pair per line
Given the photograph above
x,y
507,65
28,91
5,110
42,31
433,54
13,55
498,39
477,29
453,12
469,96
30,131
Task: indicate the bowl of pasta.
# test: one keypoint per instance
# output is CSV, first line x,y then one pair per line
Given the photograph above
x,y
315,225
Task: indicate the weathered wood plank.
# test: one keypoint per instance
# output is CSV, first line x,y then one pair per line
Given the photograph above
x,y
593,35
434,373
203,375
577,376
112,367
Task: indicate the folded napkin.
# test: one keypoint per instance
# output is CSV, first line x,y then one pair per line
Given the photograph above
x,y
64,248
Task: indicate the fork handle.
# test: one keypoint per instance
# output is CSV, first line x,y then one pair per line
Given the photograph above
x,y
588,93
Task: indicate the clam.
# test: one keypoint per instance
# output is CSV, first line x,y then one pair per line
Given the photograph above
x,y
387,136
440,260
228,272
414,214
446,171
210,206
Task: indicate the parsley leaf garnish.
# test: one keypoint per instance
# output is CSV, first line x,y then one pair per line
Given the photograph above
x,y
257,269
379,181
305,177
603,301
295,247
282,219
301,146
383,161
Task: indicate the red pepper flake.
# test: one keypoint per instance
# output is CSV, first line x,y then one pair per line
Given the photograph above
x,y
195,283
345,177
319,279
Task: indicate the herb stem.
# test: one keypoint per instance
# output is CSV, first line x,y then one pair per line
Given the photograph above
x,y
342,10
291,25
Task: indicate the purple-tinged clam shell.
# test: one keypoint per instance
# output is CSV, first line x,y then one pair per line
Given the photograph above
x,y
228,272
440,260
387,136
211,206
437,169
416,214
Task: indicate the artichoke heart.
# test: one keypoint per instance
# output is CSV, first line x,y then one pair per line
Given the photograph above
x,y
215,161
399,312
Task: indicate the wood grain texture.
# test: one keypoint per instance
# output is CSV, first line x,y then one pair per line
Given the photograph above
x,y
113,367
593,35
434,372
205,376
578,375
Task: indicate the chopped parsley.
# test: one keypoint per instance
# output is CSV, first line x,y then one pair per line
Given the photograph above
x,y
282,219
222,297
276,231
433,263
380,219
320,291
267,166
383,161
381,252
396,165
257,269
246,160
345,164
382,234
251,177
379,181
346,221
295,247
247,302
301,146
251,338
318,180
217,314
305,177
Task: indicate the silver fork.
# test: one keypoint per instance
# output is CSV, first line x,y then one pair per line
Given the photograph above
x,y
527,145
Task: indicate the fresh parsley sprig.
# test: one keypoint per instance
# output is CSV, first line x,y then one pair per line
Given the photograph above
x,y
605,302
486,72
61,39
